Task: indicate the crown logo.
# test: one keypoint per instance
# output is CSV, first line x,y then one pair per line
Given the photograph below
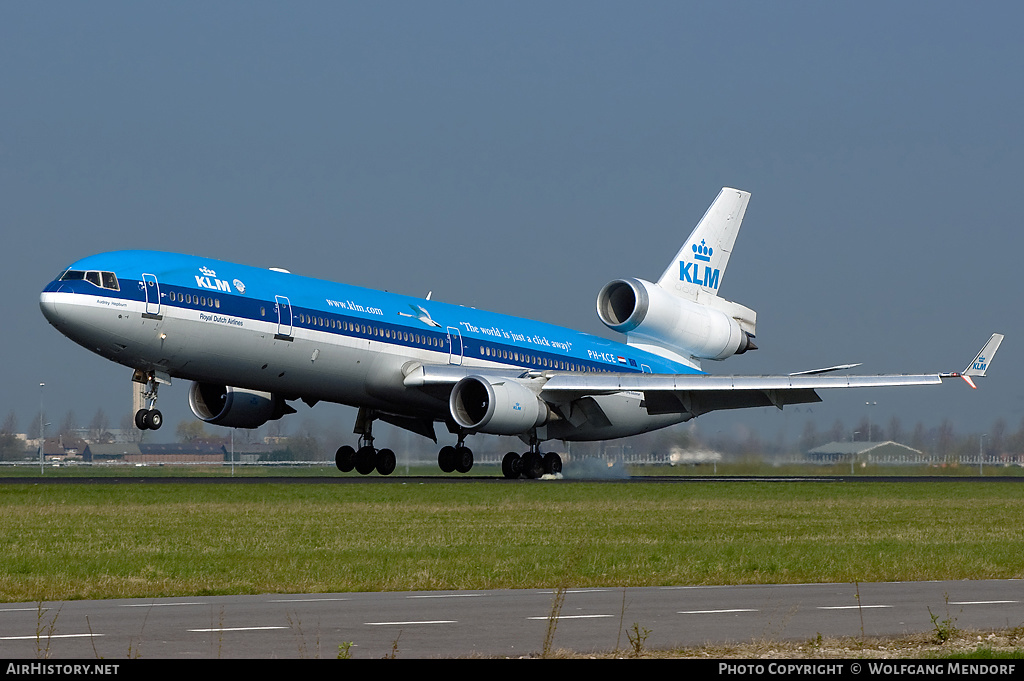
x,y
207,271
702,252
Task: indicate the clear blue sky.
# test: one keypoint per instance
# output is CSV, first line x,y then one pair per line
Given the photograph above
x,y
516,156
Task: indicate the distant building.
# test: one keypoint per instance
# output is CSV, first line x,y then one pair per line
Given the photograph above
x,y
868,452
155,453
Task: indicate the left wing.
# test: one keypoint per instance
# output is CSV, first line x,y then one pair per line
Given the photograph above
x,y
696,394
701,393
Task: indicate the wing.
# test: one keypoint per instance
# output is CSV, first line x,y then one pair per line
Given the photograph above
x,y
697,394
700,393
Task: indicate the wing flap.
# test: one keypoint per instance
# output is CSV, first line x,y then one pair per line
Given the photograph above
x,y
597,384
699,394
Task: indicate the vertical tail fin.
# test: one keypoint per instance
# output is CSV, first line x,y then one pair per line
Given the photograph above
x,y
699,266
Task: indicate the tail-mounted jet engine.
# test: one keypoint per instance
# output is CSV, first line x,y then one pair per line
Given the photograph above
x,y
235,407
497,406
647,312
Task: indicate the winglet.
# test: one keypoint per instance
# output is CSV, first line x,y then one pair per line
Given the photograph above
x,y
984,358
979,365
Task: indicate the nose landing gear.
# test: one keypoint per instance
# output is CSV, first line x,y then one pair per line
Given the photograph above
x,y
149,417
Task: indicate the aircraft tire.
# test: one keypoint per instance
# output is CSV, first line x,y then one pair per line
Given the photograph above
x,y
446,459
512,466
366,460
345,458
533,465
552,463
154,419
463,459
140,419
386,462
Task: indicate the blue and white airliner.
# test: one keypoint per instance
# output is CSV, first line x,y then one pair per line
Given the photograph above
x,y
251,340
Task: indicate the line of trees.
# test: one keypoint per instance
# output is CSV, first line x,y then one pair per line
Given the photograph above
x,y
311,441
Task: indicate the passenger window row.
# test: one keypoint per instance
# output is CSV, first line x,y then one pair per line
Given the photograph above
x,y
194,299
424,340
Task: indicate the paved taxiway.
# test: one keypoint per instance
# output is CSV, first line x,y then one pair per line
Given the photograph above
x,y
493,623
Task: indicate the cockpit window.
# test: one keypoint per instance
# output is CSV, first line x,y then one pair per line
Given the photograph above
x,y
107,280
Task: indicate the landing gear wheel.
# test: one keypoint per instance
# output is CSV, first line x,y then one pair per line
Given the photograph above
x,y
463,459
366,460
552,463
512,466
154,419
533,465
140,419
446,459
385,462
345,458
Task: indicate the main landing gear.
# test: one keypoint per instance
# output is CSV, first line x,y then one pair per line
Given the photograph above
x,y
531,464
148,418
458,458
366,459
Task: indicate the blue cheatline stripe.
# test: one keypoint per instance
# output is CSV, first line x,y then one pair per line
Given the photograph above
x,y
313,300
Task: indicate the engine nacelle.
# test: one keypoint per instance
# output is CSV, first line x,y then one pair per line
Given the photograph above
x,y
497,406
649,312
232,407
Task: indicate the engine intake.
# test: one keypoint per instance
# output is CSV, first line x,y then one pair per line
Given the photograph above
x,y
649,312
223,405
497,406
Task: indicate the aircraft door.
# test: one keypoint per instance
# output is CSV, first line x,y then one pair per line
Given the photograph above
x,y
454,346
284,318
152,290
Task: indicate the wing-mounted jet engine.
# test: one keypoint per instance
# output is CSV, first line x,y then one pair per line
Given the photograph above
x,y
681,316
496,405
224,405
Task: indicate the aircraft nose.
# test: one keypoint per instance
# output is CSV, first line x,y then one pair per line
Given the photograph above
x,y
50,308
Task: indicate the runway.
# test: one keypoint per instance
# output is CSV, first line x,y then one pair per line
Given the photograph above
x,y
466,479
493,623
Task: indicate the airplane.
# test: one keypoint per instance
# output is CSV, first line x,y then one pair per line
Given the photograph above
x,y
252,340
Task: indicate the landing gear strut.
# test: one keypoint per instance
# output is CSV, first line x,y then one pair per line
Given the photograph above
x,y
149,417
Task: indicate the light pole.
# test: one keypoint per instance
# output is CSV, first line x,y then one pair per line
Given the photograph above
x,y
853,450
981,453
870,404
42,428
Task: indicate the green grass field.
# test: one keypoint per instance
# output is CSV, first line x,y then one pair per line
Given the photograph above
x,y
60,542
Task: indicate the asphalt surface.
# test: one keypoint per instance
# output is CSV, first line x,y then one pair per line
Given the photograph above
x,y
493,623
